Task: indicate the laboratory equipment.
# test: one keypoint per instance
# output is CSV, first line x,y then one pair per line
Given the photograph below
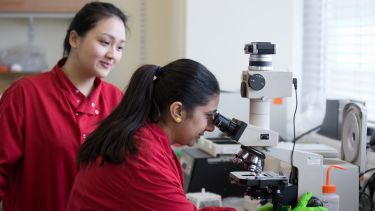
x,y
204,199
330,198
345,123
201,169
344,127
260,84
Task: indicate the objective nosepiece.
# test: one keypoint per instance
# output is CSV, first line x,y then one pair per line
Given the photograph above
x,y
251,159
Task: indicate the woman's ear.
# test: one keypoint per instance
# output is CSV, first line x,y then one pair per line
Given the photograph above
x,y
73,39
176,111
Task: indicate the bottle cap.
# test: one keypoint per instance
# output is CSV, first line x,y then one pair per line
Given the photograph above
x,y
328,188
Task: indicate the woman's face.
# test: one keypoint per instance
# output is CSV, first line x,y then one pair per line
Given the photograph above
x,y
101,47
194,125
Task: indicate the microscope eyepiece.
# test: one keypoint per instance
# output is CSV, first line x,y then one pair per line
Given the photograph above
x,y
232,128
224,124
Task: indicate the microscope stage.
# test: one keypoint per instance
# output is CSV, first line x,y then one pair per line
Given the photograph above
x,y
263,179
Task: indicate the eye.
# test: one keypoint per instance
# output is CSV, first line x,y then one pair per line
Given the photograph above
x,y
104,43
120,48
210,116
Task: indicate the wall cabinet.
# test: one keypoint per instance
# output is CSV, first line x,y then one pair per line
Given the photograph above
x,y
45,6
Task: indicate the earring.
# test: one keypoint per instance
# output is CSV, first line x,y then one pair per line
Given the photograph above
x,y
178,119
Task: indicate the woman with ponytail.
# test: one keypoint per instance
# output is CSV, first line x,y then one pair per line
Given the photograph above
x,y
127,163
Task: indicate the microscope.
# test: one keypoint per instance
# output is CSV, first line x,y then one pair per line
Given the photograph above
x,y
259,145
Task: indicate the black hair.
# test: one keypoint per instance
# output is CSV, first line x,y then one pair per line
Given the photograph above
x,y
87,18
151,90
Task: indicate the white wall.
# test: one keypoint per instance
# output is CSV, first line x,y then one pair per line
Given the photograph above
x,y
216,31
122,72
157,35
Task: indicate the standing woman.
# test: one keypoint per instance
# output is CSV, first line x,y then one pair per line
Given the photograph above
x,y
128,163
45,118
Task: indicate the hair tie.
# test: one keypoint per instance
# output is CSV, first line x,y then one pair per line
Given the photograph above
x,y
157,73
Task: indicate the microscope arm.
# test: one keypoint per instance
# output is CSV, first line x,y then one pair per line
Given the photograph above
x,y
258,137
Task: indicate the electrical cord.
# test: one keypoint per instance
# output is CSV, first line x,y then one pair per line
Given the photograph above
x,y
368,170
307,132
370,180
363,195
301,135
293,173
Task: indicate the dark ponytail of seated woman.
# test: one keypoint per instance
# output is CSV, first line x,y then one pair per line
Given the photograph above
x,y
151,90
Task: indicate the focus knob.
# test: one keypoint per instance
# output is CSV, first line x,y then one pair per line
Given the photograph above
x,y
257,82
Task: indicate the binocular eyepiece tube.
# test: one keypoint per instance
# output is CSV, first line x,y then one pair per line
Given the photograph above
x,y
231,128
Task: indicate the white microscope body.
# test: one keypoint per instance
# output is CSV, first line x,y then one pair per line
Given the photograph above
x,y
259,145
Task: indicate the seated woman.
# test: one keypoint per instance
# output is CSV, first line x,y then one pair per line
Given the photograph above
x,y
127,163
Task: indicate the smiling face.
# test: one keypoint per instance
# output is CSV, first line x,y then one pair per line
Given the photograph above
x,y
100,48
193,125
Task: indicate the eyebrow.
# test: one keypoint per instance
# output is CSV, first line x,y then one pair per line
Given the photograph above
x,y
112,37
211,112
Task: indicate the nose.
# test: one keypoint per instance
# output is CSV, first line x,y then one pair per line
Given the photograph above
x,y
109,54
210,126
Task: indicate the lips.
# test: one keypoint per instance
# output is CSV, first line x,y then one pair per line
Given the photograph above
x,y
106,65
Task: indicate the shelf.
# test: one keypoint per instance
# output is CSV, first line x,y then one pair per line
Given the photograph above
x,y
36,15
42,6
16,74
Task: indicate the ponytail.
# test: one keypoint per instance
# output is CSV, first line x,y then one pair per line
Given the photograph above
x,y
114,136
150,92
